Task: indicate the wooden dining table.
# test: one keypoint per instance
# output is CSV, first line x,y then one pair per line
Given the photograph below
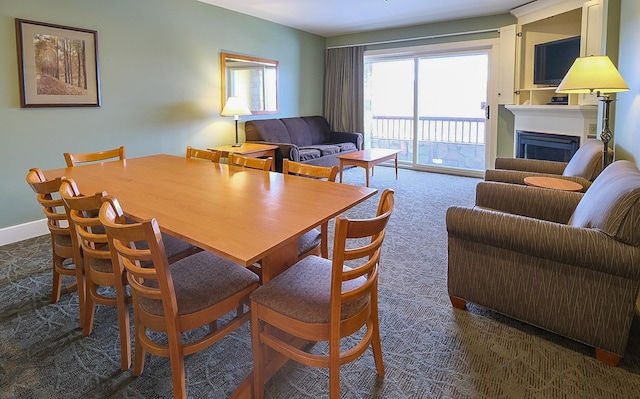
x,y
240,214
243,215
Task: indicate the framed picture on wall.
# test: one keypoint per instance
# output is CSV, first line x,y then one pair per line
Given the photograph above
x,y
58,65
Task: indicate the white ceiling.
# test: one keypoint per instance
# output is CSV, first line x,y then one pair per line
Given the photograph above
x,y
336,17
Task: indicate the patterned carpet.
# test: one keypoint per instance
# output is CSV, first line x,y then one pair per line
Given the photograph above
x,y
430,349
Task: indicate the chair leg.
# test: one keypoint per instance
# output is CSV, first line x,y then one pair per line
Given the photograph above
x,y
56,285
376,344
334,362
258,354
176,356
123,325
138,361
324,240
607,358
82,290
213,326
458,303
334,381
89,310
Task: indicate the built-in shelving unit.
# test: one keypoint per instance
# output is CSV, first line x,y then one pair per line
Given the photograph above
x,y
543,96
540,22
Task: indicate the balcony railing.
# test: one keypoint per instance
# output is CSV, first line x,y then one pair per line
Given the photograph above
x,y
434,129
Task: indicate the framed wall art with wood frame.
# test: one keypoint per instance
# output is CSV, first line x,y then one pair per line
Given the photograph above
x,y
58,65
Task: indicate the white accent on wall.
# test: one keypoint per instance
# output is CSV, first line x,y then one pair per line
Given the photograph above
x,y
9,235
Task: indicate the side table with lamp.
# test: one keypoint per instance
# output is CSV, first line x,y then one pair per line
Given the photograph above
x,y
236,107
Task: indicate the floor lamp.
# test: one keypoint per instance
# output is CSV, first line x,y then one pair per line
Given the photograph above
x,y
595,74
235,107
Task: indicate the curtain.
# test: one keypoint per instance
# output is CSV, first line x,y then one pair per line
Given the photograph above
x,y
344,89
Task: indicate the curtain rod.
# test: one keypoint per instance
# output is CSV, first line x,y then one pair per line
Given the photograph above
x,y
471,32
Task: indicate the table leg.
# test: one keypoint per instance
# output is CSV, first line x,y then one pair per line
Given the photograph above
x,y
273,160
272,265
396,158
366,170
279,261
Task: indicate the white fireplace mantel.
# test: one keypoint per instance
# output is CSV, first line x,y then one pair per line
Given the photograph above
x,y
570,120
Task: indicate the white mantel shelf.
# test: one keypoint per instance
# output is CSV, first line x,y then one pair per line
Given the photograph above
x,y
570,120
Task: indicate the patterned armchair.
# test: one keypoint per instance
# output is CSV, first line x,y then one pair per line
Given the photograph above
x,y
583,167
565,262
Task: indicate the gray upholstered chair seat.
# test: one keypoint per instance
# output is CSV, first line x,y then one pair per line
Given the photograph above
x,y
102,265
303,292
200,281
63,240
174,246
309,241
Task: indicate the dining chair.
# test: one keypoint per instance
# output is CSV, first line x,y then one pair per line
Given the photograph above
x,y
92,248
213,156
194,292
318,299
63,260
313,242
249,162
74,159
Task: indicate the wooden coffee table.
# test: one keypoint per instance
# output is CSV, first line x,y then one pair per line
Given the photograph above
x,y
553,183
367,159
250,150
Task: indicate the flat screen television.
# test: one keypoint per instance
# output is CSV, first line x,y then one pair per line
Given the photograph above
x,y
552,60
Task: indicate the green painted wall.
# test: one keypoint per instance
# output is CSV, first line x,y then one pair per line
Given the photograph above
x,y
627,117
160,80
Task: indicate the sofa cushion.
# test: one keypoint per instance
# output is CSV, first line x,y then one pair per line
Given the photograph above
x,y
587,161
309,153
325,149
272,130
612,203
301,135
346,146
318,129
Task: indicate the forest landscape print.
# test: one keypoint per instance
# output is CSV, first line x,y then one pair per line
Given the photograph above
x,y
59,65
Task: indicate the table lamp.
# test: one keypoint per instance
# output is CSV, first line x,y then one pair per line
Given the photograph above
x,y
235,107
595,74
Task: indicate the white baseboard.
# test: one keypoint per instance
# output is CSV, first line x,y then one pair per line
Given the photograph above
x,y
11,234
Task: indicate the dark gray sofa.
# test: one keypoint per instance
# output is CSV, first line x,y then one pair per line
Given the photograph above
x,y
306,139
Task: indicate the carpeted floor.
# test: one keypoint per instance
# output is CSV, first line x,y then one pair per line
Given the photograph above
x,y
430,349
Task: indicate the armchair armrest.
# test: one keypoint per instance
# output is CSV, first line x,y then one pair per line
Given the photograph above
x,y
517,177
343,137
531,165
580,247
540,203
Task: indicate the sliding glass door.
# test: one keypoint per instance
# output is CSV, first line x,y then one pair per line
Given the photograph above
x,y
432,106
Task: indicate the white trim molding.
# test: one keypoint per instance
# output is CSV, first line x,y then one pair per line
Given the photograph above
x,y
11,234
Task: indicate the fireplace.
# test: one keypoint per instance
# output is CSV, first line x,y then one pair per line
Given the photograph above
x,y
546,146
